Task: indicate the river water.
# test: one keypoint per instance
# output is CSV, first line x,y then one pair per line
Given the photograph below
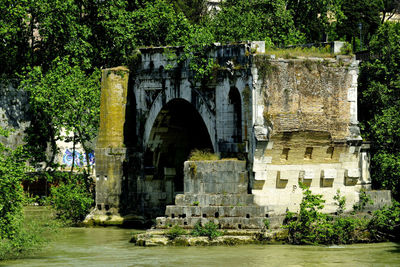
x,y
110,247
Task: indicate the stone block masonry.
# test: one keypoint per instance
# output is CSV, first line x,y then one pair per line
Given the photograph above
x,y
215,191
289,120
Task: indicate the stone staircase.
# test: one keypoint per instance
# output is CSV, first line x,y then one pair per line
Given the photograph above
x,y
215,191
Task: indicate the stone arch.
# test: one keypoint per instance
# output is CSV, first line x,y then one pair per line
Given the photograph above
x,y
198,102
177,130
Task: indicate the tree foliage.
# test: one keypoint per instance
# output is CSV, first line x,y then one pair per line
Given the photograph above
x,y
380,102
243,20
316,18
68,98
12,172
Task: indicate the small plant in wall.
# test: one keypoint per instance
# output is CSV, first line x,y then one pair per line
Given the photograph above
x,y
266,224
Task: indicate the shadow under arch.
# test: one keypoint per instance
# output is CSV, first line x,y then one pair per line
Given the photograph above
x,y
192,97
177,130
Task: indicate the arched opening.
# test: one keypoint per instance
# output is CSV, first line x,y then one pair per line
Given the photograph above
x,y
235,107
177,130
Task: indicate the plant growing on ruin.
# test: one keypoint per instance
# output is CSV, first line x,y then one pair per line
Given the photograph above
x,y
210,230
175,231
340,202
364,200
311,226
266,223
198,155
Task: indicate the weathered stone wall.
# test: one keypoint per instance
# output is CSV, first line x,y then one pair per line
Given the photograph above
x,y
291,119
215,191
13,113
308,110
110,150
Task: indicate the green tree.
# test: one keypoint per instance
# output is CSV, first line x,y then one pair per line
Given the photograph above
x,y
267,20
389,9
359,13
379,85
69,99
14,35
194,10
316,18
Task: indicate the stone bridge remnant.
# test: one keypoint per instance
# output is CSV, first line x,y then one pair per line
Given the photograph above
x,y
290,120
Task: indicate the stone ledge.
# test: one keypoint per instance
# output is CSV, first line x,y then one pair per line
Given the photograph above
x,y
230,238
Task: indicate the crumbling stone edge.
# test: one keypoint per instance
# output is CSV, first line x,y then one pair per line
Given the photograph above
x,y
158,237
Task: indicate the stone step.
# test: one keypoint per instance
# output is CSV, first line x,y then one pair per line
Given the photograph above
x,y
214,199
223,223
217,211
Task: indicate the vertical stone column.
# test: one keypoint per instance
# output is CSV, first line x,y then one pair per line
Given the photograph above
x,y
110,150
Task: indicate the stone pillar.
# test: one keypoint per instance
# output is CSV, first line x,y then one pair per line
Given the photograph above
x,y
110,150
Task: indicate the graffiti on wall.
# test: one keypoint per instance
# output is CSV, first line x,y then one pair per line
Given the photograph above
x,y
80,158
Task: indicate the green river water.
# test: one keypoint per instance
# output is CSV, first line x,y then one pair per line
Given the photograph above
x,y
110,247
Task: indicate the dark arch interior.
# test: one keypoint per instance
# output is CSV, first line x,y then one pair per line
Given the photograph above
x,y
177,130
234,99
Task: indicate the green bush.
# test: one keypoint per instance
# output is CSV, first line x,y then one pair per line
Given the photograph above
x,y
311,226
72,201
12,172
175,231
210,230
385,223
37,229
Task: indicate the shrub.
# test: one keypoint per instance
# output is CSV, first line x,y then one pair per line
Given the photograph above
x,y
210,230
72,201
175,231
12,172
311,226
385,223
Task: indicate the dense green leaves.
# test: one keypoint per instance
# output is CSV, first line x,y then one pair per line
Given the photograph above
x,y
380,102
68,98
72,201
12,172
243,20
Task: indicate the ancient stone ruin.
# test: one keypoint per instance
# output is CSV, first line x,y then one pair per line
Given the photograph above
x,y
283,120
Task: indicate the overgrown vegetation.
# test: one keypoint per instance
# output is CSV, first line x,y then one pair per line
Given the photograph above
x,y
72,202
38,228
311,226
295,52
19,235
198,155
385,224
210,230
379,87
175,231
